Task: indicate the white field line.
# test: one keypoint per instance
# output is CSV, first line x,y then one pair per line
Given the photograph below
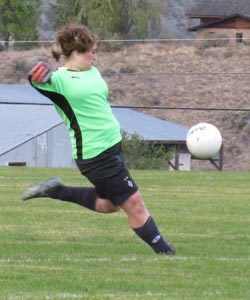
x,y
68,295
31,180
147,294
10,185
104,259
18,177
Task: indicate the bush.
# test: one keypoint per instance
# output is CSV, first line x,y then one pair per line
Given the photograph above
x,y
20,67
246,43
239,121
213,41
141,154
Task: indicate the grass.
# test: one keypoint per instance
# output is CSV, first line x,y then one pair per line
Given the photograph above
x,y
55,250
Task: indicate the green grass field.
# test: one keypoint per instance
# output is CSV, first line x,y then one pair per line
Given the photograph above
x,y
55,250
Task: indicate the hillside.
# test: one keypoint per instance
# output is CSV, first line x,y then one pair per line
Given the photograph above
x,y
176,76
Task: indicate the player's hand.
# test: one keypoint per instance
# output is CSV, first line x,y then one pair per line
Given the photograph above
x,y
41,73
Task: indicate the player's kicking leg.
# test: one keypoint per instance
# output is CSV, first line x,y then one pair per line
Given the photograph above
x,y
84,196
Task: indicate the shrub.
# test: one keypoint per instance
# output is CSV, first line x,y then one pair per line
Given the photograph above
x,y
246,43
128,69
213,41
239,121
141,154
20,67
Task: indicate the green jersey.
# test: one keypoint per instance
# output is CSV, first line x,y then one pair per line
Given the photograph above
x,y
81,99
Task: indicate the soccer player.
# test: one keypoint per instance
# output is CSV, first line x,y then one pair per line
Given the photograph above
x,y
80,96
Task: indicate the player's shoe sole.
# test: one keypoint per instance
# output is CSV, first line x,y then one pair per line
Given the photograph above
x,y
43,189
171,251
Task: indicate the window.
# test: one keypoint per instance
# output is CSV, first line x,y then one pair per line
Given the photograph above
x,y
239,37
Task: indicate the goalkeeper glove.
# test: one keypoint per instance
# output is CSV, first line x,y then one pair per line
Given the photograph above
x,y
41,73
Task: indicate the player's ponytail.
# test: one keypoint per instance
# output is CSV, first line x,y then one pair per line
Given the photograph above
x,y
56,52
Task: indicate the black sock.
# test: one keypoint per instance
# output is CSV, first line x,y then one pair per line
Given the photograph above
x,y
150,234
83,196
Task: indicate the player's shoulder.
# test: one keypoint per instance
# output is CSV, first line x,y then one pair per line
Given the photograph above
x,y
96,72
59,71
94,69
58,74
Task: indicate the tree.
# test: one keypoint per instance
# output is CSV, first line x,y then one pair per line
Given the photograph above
x,y
19,20
123,18
70,11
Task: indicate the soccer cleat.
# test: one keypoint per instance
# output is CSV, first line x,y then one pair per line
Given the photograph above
x,y
166,250
170,251
43,189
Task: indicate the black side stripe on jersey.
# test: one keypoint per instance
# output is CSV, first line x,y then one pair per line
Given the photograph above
x,y
62,102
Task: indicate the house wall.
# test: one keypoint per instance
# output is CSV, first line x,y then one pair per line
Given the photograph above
x,y
242,24
233,23
23,153
50,149
230,33
184,161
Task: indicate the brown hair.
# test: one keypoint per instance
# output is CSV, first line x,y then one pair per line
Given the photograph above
x,y
72,38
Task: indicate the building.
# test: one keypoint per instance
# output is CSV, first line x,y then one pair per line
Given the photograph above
x,y
222,17
32,133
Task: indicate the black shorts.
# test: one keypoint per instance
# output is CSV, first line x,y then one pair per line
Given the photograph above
x,y
107,172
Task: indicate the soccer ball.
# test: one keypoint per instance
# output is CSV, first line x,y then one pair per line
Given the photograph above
x,y
204,140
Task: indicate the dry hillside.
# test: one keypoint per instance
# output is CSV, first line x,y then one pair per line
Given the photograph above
x,y
172,75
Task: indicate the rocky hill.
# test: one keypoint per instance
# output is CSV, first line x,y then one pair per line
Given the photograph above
x,y
174,76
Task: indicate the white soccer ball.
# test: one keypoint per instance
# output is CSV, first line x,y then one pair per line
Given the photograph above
x,y
204,140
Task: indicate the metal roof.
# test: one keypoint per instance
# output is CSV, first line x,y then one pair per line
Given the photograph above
x,y
223,8
19,124
149,127
25,114
214,22
20,93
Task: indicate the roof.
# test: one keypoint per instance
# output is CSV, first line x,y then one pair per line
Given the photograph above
x,y
214,22
150,127
19,124
223,8
25,114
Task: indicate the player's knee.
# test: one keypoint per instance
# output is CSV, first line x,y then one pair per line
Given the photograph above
x,y
110,208
105,206
135,204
